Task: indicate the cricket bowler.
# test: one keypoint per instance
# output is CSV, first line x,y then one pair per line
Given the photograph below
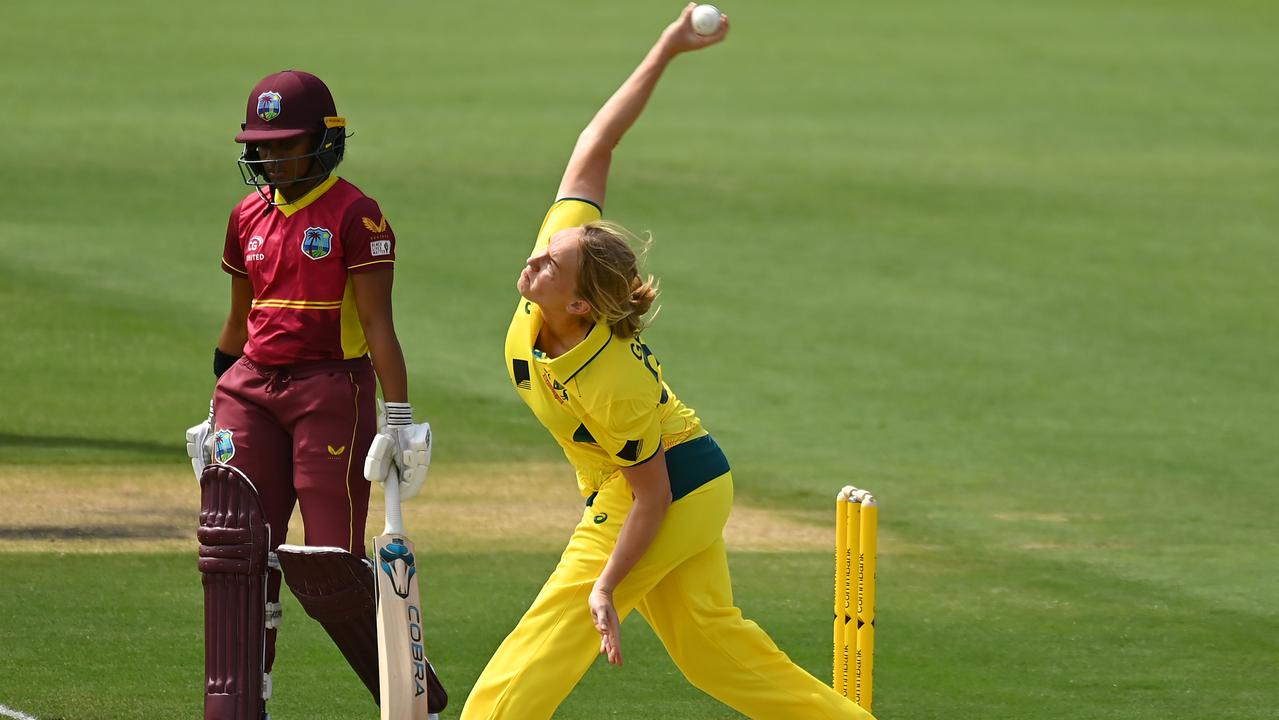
x,y
657,487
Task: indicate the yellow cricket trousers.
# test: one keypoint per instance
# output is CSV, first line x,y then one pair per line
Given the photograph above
x,y
681,587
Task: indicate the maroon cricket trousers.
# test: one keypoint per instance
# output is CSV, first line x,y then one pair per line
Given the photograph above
x,y
300,433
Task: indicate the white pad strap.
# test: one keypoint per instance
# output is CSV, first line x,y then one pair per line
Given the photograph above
x,y
274,610
310,550
274,615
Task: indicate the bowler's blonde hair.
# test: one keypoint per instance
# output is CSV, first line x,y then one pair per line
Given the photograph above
x,y
609,277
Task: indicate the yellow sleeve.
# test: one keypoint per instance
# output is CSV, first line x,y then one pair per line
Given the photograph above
x,y
565,213
629,430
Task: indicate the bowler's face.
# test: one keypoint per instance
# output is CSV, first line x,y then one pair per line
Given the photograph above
x,y
549,277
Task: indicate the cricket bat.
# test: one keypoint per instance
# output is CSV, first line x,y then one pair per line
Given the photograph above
x,y
401,653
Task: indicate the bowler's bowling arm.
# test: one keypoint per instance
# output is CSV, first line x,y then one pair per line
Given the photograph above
x,y
586,175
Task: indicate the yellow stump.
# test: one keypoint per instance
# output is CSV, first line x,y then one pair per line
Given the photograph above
x,y
856,544
847,549
864,657
853,511
842,582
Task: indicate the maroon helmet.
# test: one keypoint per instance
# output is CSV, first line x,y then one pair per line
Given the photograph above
x,y
290,104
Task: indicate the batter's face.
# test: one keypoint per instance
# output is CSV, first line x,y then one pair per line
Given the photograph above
x,y
549,277
285,161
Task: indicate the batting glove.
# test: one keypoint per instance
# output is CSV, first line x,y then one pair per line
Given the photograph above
x,y
199,445
410,449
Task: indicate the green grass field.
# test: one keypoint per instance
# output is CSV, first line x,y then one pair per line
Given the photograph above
x,y
1011,265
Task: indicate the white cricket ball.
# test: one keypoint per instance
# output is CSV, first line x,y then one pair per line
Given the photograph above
x,y
706,19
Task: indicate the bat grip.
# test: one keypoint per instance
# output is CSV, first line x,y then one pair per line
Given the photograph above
x,y
391,492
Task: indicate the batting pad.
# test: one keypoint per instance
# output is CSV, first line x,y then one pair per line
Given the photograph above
x,y
234,544
337,589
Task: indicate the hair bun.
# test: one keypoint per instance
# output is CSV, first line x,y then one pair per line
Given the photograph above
x,y
643,293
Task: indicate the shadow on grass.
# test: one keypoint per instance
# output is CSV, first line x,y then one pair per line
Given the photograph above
x,y
71,442
88,532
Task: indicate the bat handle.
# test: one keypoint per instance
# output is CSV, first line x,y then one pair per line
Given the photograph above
x,y
391,492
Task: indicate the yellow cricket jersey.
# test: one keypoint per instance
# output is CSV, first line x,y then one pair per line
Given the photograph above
x,y
605,401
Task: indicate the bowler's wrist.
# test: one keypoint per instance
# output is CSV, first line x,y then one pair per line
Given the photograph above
x,y
667,46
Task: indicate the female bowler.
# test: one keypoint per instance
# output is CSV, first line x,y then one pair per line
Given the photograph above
x,y
311,261
657,487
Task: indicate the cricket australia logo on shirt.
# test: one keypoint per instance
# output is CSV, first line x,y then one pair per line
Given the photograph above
x,y
317,242
558,390
223,446
269,105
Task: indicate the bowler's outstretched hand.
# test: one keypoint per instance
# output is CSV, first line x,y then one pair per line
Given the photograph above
x,y
681,37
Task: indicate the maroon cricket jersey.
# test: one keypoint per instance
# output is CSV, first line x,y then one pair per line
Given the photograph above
x,y
300,257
